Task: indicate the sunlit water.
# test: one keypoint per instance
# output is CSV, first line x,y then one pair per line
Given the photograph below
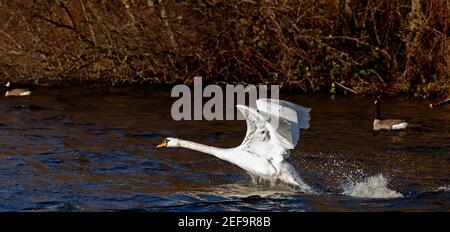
x,y
94,150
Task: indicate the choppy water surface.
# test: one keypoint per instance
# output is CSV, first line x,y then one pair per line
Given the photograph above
x,y
94,150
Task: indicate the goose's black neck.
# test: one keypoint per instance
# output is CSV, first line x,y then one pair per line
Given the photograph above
x,y
12,86
378,109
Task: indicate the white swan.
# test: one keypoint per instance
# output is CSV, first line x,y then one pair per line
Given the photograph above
x,y
272,131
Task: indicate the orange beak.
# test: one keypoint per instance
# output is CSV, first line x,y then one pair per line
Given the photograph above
x,y
163,144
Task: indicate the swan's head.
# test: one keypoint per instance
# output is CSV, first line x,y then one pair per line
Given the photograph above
x,y
8,84
169,142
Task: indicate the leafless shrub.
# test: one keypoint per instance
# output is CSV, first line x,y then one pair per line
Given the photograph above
x,y
326,45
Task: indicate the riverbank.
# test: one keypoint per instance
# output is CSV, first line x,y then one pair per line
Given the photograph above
x,y
336,47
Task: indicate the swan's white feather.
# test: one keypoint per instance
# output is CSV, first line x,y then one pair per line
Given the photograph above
x,y
292,117
273,128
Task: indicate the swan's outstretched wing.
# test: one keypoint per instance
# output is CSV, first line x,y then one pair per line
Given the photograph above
x,y
292,118
273,128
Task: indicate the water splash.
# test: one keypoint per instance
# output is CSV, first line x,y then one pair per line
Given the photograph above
x,y
372,187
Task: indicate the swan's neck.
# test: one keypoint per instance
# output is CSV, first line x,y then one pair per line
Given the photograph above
x,y
215,151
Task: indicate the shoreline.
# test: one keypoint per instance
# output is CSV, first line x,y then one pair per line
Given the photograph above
x,y
165,89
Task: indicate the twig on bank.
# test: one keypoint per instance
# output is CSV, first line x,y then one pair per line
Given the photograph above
x,y
346,88
11,38
378,75
88,20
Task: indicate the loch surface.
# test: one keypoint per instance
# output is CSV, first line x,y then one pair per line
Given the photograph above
x,y
94,150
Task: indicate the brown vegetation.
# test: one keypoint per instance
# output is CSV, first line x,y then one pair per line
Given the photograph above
x,y
329,45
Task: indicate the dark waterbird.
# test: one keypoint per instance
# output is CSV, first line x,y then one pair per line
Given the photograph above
x,y
13,91
386,124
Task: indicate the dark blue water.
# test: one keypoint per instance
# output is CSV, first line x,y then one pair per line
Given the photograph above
x,y
94,150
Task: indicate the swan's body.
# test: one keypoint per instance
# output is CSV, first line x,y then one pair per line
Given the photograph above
x,y
272,131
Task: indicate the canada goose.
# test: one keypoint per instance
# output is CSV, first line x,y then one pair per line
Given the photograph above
x,y
442,103
386,124
10,91
272,131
